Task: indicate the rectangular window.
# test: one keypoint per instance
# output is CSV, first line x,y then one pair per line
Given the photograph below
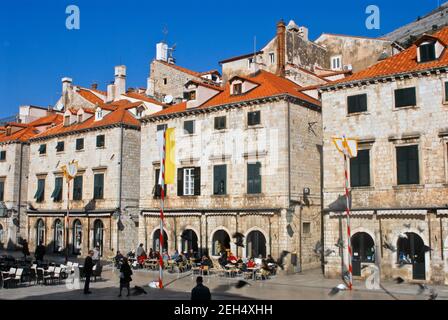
x,y
43,149
2,155
157,188
237,88
192,95
253,178
253,118
40,193
446,92
219,179
306,227
336,63
60,146
220,123
407,165
77,188
405,97
165,81
79,118
357,103
427,52
161,127
189,181
98,187
100,141
189,127
360,169
272,57
2,190
57,192
79,144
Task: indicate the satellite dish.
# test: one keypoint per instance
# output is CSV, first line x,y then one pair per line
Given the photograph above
x,y
168,99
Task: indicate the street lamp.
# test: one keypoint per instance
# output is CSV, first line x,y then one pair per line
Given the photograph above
x,y
70,170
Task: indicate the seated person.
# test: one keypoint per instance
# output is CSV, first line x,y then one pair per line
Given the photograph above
x,y
175,255
232,259
250,263
151,254
165,256
223,259
206,264
270,259
265,270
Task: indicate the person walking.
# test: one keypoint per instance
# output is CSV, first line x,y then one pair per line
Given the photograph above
x,y
200,292
25,249
88,269
125,276
40,253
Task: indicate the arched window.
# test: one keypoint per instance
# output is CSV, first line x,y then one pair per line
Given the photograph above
x,y
363,247
256,244
410,248
156,241
77,237
220,242
98,235
40,232
58,236
189,240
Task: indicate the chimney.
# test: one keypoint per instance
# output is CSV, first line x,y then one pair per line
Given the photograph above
x,y
120,81
303,31
281,40
94,86
162,51
110,93
66,83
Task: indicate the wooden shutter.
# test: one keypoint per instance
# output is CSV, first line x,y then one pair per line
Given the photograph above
x,y
253,178
427,52
360,169
407,165
99,186
357,103
446,92
219,176
405,97
180,182
77,188
2,190
413,170
197,181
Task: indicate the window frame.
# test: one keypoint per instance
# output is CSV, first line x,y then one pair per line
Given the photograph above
x,y
218,122
250,116
397,160
190,187
432,52
44,147
40,183
397,90
216,168
58,189
99,144
239,91
352,160
259,189
78,190
187,132
357,97
95,186
3,155
77,142
60,143
2,189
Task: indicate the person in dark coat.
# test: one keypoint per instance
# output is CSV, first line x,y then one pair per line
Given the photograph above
x,y
25,249
125,276
88,270
40,253
200,292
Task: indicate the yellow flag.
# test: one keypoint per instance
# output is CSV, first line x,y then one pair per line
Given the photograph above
x,y
170,159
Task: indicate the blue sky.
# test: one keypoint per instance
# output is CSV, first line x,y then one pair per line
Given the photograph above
x,y
37,50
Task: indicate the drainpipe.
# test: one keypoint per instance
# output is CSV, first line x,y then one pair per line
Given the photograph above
x,y
120,192
19,206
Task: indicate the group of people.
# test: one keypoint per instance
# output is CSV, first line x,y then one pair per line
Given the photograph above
x,y
267,266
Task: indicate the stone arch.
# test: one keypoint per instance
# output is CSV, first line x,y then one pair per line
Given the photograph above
x,y
213,245
154,240
195,245
256,243
265,234
41,232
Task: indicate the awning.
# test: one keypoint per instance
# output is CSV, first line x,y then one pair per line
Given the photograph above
x,y
442,212
172,214
402,212
353,213
258,213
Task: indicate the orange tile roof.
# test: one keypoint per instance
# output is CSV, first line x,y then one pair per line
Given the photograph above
x,y
119,115
182,69
269,85
403,62
21,135
143,97
207,85
48,120
89,96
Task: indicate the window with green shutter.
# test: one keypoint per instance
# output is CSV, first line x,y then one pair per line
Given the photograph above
x,y
405,97
98,186
360,169
446,92
2,190
100,141
40,193
42,149
77,188
407,165
220,123
427,52
253,118
189,127
60,146
79,144
2,155
357,103
161,127
253,178
57,192
219,179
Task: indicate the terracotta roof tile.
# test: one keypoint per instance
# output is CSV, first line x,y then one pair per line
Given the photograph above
x,y
182,69
89,96
143,97
403,62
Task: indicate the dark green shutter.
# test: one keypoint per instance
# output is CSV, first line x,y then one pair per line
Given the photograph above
x,y
2,155
197,181
100,141
57,192
189,126
446,91
253,118
2,190
79,144
357,103
43,149
99,186
219,179
180,182
407,165
77,188
427,52
360,169
40,193
253,178
405,97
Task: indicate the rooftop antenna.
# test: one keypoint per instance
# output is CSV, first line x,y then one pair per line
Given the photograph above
x,y
165,33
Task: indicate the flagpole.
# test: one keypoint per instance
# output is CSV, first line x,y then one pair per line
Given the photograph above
x,y
162,204
66,221
349,248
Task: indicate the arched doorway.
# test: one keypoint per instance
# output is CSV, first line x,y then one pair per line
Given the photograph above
x,y
2,231
255,244
156,241
98,235
77,237
40,232
411,250
220,242
189,240
363,248
58,236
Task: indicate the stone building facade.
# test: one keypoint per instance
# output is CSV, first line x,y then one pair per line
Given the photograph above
x,y
397,109
285,143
